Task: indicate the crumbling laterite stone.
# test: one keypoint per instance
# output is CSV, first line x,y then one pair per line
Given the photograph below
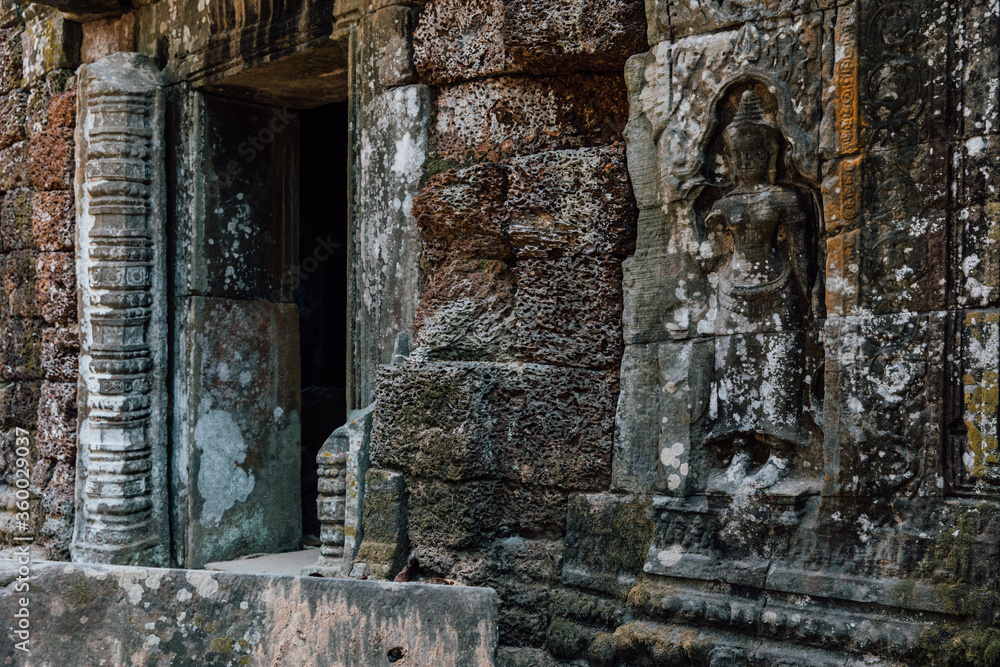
x,y
384,547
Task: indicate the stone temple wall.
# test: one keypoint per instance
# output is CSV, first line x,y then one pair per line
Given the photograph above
x,y
487,434
39,335
703,297
718,388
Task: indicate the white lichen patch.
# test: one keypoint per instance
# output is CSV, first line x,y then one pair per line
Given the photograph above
x,y
222,483
670,556
204,582
130,581
153,580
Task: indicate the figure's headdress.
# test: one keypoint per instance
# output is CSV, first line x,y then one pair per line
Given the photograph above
x,y
750,120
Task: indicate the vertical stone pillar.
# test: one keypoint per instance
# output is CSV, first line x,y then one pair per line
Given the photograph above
x,y
121,481
390,120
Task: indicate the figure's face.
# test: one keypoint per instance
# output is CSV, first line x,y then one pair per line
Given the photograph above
x,y
750,161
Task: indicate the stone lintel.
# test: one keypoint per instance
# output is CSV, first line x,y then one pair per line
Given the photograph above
x,y
88,10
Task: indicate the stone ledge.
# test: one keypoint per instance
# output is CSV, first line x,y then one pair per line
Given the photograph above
x,y
127,616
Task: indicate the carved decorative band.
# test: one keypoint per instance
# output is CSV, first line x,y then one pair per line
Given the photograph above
x,y
134,170
121,463
848,122
124,251
118,276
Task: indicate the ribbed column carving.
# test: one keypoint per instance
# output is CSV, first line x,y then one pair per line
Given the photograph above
x,y
119,184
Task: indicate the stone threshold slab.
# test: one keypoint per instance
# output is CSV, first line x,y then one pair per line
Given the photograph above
x,y
289,564
124,616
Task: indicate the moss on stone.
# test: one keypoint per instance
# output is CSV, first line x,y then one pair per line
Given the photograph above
x,y
437,165
953,645
951,552
602,650
81,593
438,397
621,529
948,567
221,645
565,639
377,552
661,645
586,607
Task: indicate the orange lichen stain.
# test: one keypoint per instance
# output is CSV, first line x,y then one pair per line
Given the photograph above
x,y
846,82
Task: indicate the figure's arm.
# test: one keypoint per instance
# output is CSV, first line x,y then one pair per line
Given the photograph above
x,y
794,223
715,234
715,221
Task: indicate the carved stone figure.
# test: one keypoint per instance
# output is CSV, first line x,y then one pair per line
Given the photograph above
x,y
762,297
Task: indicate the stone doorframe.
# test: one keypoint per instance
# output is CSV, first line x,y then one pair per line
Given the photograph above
x,y
126,454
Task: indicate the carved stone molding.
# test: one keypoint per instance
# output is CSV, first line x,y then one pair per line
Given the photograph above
x,y
121,487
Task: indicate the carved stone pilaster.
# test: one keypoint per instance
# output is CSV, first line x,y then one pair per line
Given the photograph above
x,y
121,487
332,462
343,464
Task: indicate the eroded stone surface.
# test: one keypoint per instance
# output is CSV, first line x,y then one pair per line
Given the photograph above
x,y
459,41
533,424
390,169
384,513
138,615
536,245
240,429
506,117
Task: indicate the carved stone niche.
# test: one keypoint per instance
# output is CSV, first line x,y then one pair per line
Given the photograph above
x,y
724,297
720,414
121,514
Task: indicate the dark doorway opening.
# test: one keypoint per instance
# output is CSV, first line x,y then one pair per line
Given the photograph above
x,y
322,291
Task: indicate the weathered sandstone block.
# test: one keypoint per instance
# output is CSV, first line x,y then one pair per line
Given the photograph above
x,y
385,545
20,348
568,312
60,354
12,113
459,41
51,159
56,287
462,214
466,313
57,421
571,202
15,220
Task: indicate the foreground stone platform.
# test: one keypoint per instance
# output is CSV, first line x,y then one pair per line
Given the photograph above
x,y
128,616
